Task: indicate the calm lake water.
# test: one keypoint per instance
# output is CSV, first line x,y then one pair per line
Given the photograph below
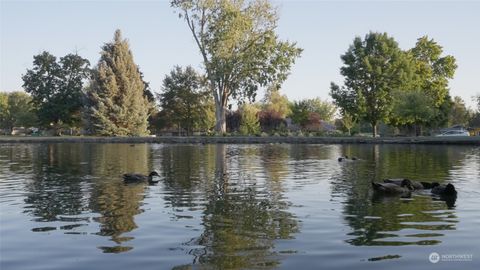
x,y
64,206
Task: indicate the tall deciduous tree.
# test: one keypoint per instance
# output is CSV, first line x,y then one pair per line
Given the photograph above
x,y
240,49
184,100
373,68
116,104
56,88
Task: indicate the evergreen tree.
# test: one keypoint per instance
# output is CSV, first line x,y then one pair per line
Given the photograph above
x,y
116,103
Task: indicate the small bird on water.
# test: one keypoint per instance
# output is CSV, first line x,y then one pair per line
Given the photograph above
x,y
136,178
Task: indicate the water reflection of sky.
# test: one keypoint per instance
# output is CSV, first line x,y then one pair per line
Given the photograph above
x,y
233,206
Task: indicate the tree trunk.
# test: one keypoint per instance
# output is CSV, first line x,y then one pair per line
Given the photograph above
x,y
221,120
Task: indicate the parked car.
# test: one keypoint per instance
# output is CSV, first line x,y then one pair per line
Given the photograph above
x,y
454,133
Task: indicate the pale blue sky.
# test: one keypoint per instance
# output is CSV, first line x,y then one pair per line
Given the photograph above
x,y
159,39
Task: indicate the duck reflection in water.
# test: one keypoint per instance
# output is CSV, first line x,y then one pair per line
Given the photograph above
x,y
446,193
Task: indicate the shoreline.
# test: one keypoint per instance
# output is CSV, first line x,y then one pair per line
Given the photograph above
x,y
474,140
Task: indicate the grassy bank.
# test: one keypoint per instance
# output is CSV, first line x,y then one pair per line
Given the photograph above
x,y
248,140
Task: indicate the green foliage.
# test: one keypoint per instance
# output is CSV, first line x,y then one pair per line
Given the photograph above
x,y
185,102
441,114
302,111
348,122
116,104
325,110
412,108
276,102
474,120
239,47
56,87
459,114
432,71
16,110
373,68
4,115
299,113
249,124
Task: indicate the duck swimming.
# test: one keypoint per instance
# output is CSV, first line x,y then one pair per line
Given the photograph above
x,y
345,158
445,190
404,188
416,185
135,178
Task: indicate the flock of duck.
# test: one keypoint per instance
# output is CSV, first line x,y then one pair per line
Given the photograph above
x,y
401,186
404,186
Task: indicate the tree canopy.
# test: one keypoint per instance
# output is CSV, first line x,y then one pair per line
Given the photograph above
x,y
16,110
56,87
413,108
184,100
249,123
275,102
373,68
308,110
240,50
117,105
431,69
459,115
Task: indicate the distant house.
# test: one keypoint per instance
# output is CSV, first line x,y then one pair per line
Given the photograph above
x,y
290,125
318,125
327,127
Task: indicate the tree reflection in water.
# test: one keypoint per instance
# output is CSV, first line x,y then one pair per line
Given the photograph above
x,y
116,202
378,220
62,188
242,218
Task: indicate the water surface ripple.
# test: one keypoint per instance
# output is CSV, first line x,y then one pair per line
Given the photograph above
x,y
65,206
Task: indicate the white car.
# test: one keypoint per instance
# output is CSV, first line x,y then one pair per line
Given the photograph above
x,y
454,133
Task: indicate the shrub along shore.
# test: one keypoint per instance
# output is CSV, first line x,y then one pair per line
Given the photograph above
x,y
247,140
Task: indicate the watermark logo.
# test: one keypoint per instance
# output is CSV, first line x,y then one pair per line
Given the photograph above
x,y
434,257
